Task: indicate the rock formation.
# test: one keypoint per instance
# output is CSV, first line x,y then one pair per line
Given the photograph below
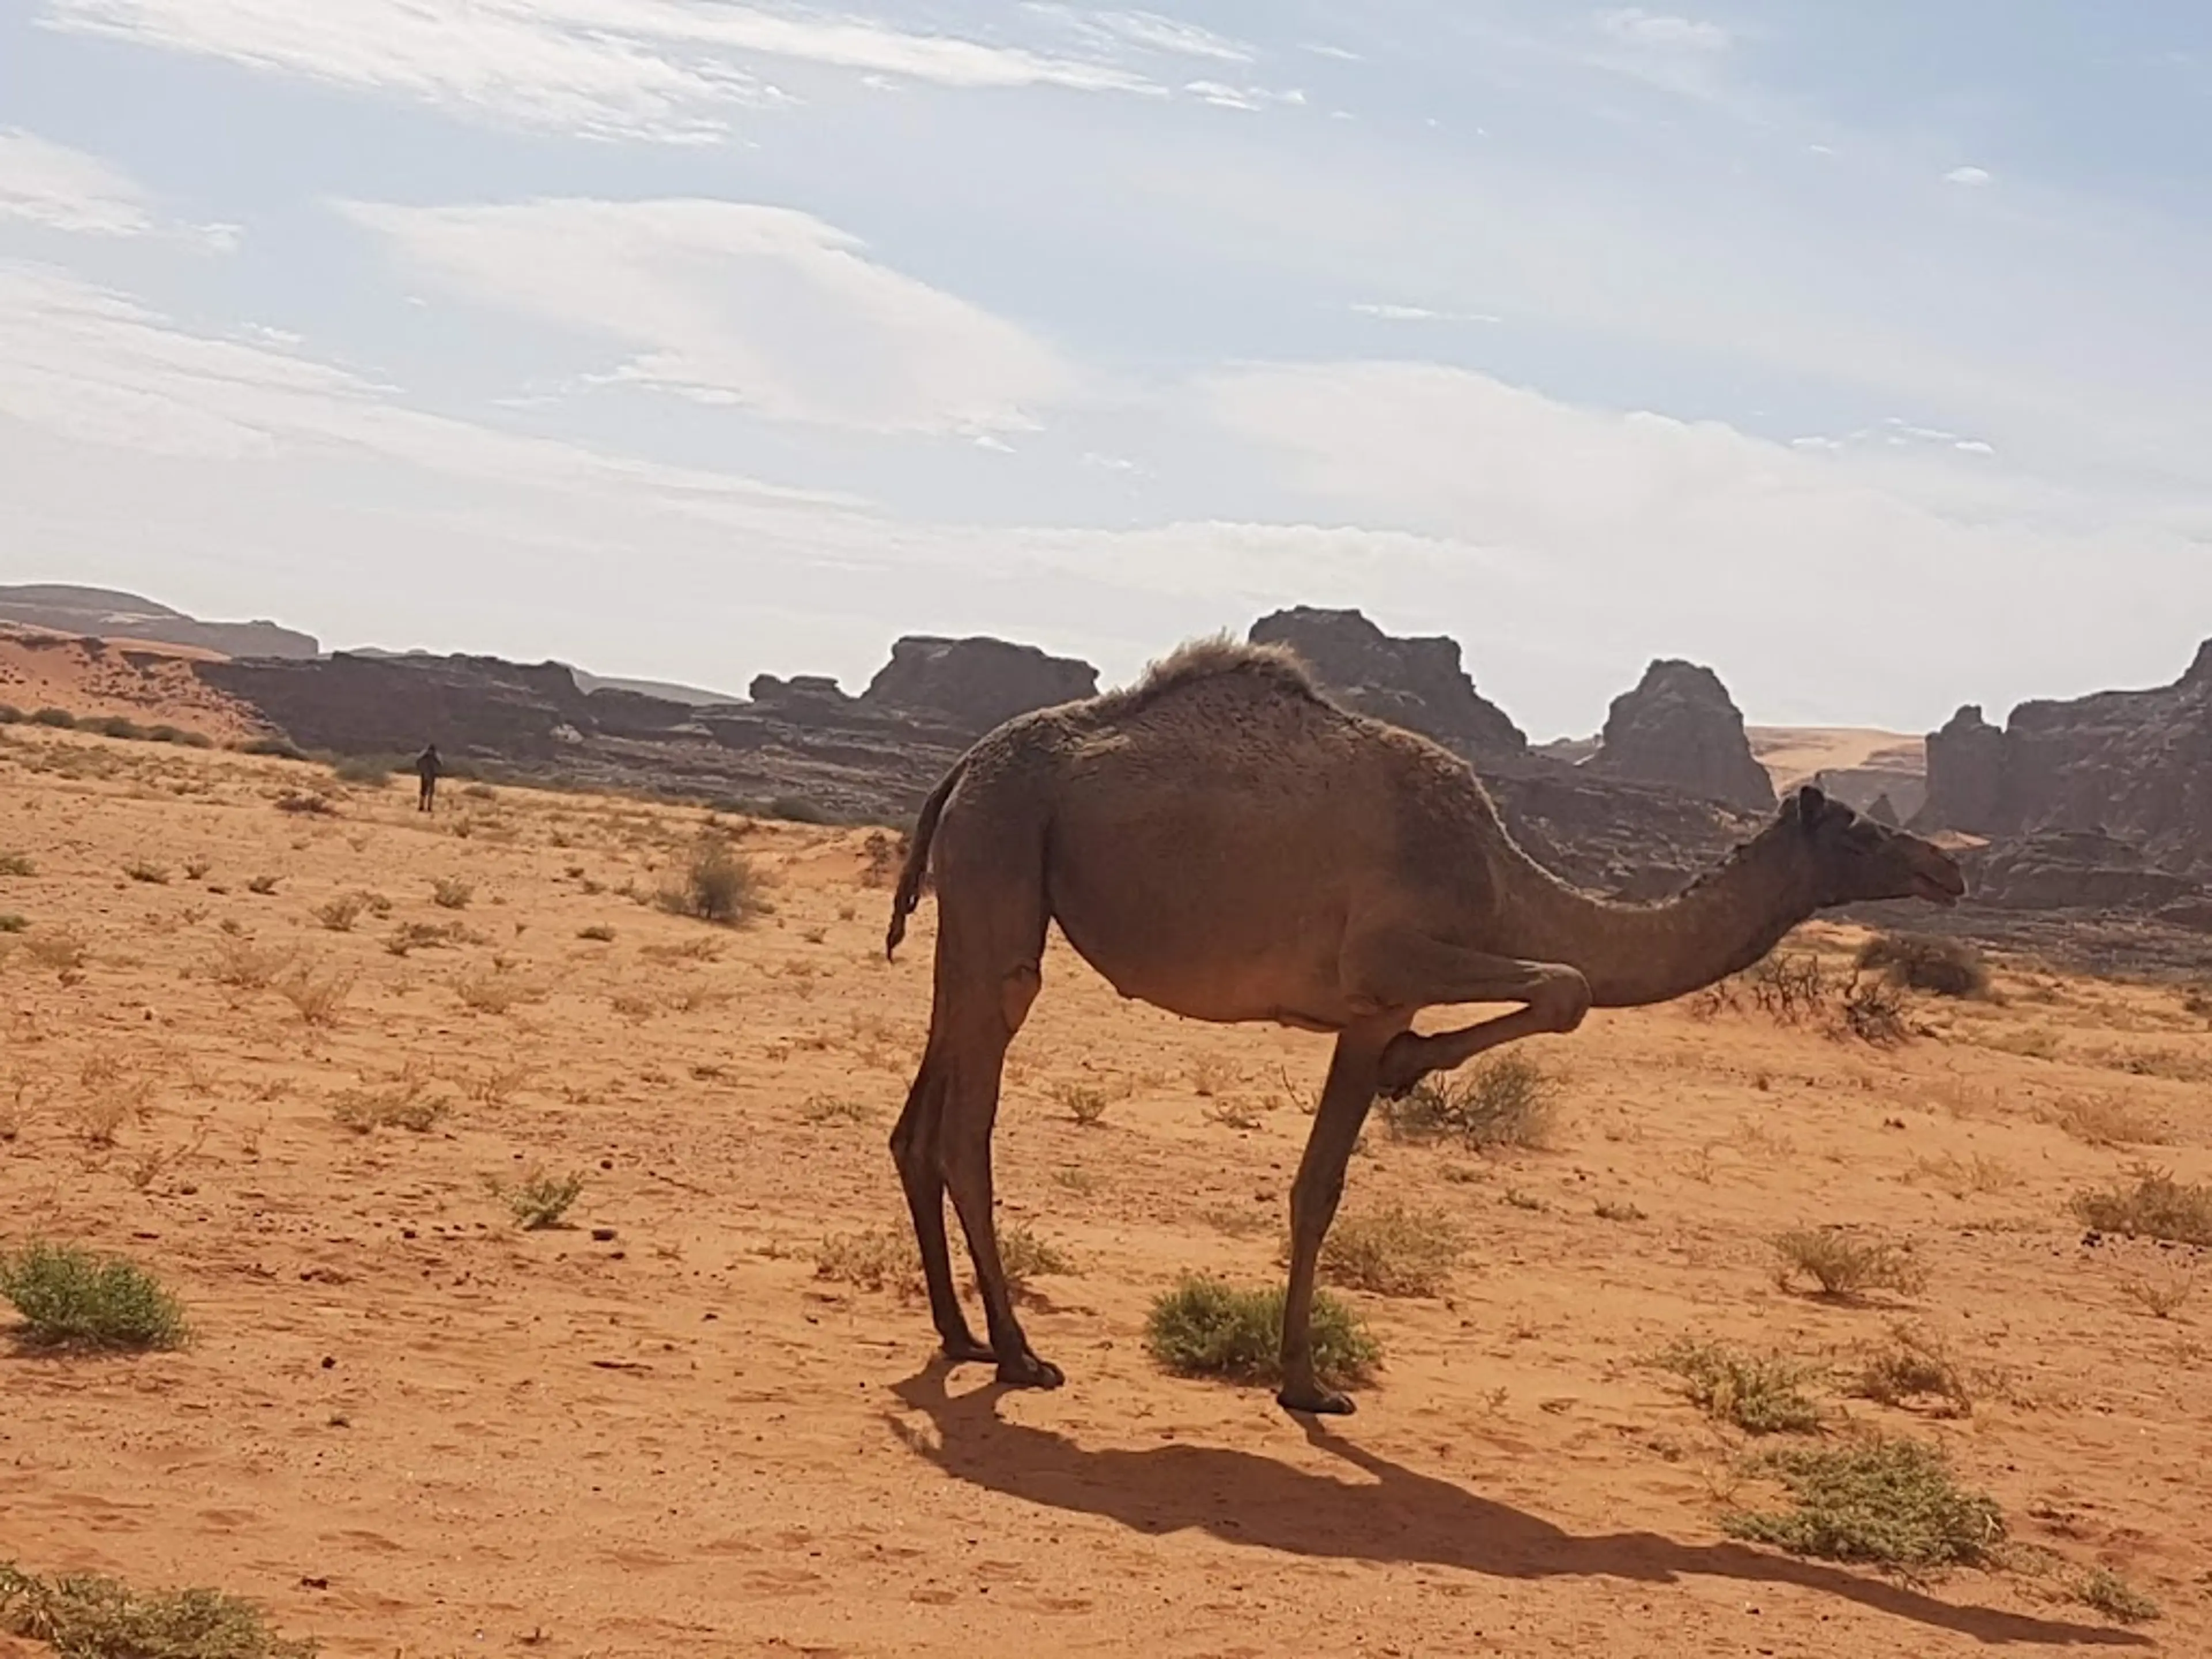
x,y
978,682
2132,765
103,613
1680,727
1419,684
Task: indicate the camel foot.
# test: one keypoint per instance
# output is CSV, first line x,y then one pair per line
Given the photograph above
x,y
965,1349
1027,1371
1316,1400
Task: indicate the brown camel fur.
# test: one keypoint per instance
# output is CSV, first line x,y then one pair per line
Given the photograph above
x,y
1222,840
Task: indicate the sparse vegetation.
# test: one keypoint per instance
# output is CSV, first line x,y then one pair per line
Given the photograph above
x,y
2160,1294
2107,1592
541,1201
364,771
319,997
62,949
1874,1012
718,884
1843,1265
302,804
146,870
398,1105
1889,1502
599,932
338,914
1391,1250
12,922
1206,1327
1758,1395
2100,1121
1913,1364
262,885
68,1297
1026,1254
84,1616
878,1259
2150,1204
60,719
18,864
1086,1103
1507,1100
1943,967
452,893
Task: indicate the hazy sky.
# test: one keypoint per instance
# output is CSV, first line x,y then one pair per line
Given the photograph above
x,y
1860,352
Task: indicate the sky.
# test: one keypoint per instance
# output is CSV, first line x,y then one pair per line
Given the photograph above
x,y
1859,352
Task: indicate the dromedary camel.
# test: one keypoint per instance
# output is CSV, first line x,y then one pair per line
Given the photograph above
x,y
1222,840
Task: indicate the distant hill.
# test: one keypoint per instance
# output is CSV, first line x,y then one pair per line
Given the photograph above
x,y
103,613
696,696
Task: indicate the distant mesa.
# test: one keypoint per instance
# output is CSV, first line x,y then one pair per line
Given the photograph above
x,y
2134,765
1680,727
1418,682
976,682
104,613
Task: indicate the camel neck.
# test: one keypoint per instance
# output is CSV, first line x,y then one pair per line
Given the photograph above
x,y
1636,954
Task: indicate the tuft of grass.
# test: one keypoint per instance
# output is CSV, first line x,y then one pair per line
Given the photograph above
x,y
10,923
71,1297
2100,1121
452,893
493,992
147,871
1759,1394
339,913
2160,1295
880,1259
1205,1327
1027,1255
1914,1365
303,805
1506,1101
835,1108
2150,1204
1889,1502
599,932
540,1200
60,719
320,999
398,1106
64,952
1943,967
263,885
1391,1250
718,884
1086,1103
2107,1592
1844,1267
18,864
84,1616
364,771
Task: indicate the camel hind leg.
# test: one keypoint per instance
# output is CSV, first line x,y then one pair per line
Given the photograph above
x,y
990,943
915,1148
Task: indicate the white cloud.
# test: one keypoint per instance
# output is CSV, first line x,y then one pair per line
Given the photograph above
x,y
1222,95
766,308
1386,313
1649,533
634,69
1970,177
1633,26
58,188
1147,30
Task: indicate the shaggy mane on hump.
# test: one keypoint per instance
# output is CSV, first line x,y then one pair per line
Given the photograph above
x,y
1213,659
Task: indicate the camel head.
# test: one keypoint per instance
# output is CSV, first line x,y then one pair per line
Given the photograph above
x,y
1856,861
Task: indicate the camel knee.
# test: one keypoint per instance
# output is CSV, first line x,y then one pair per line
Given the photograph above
x,y
1565,999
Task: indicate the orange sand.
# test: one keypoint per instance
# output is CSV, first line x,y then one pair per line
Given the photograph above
x,y
410,1428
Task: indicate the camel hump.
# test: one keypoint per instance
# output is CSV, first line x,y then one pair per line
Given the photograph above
x,y
1276,667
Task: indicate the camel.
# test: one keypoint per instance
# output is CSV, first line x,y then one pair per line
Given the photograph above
x,y
1226,842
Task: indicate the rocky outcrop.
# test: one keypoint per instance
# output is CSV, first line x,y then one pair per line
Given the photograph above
x,y
2078,870
977,683
1419,684
105,614
2133,765
1680,728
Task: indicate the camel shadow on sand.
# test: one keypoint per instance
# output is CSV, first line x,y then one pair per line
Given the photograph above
x,y
1395,1515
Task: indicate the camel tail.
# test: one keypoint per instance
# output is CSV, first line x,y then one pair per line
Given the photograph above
x,y
917,858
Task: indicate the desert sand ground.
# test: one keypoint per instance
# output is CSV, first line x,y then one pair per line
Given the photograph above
x,y
1794,754
409,1427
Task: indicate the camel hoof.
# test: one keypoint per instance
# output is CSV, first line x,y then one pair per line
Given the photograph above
x,y
1317,1402
1028,1372
967,1350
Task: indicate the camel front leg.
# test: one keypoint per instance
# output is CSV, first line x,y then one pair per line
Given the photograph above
x,y
1344,1098
1405,967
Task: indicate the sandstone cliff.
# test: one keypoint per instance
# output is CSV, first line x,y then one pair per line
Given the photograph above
x,y
1419,684
1679,728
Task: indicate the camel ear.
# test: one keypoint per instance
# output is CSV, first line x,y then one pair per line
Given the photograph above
x,y
1812,805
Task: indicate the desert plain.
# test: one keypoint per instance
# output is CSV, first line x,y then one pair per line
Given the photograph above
x,y
298,1060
